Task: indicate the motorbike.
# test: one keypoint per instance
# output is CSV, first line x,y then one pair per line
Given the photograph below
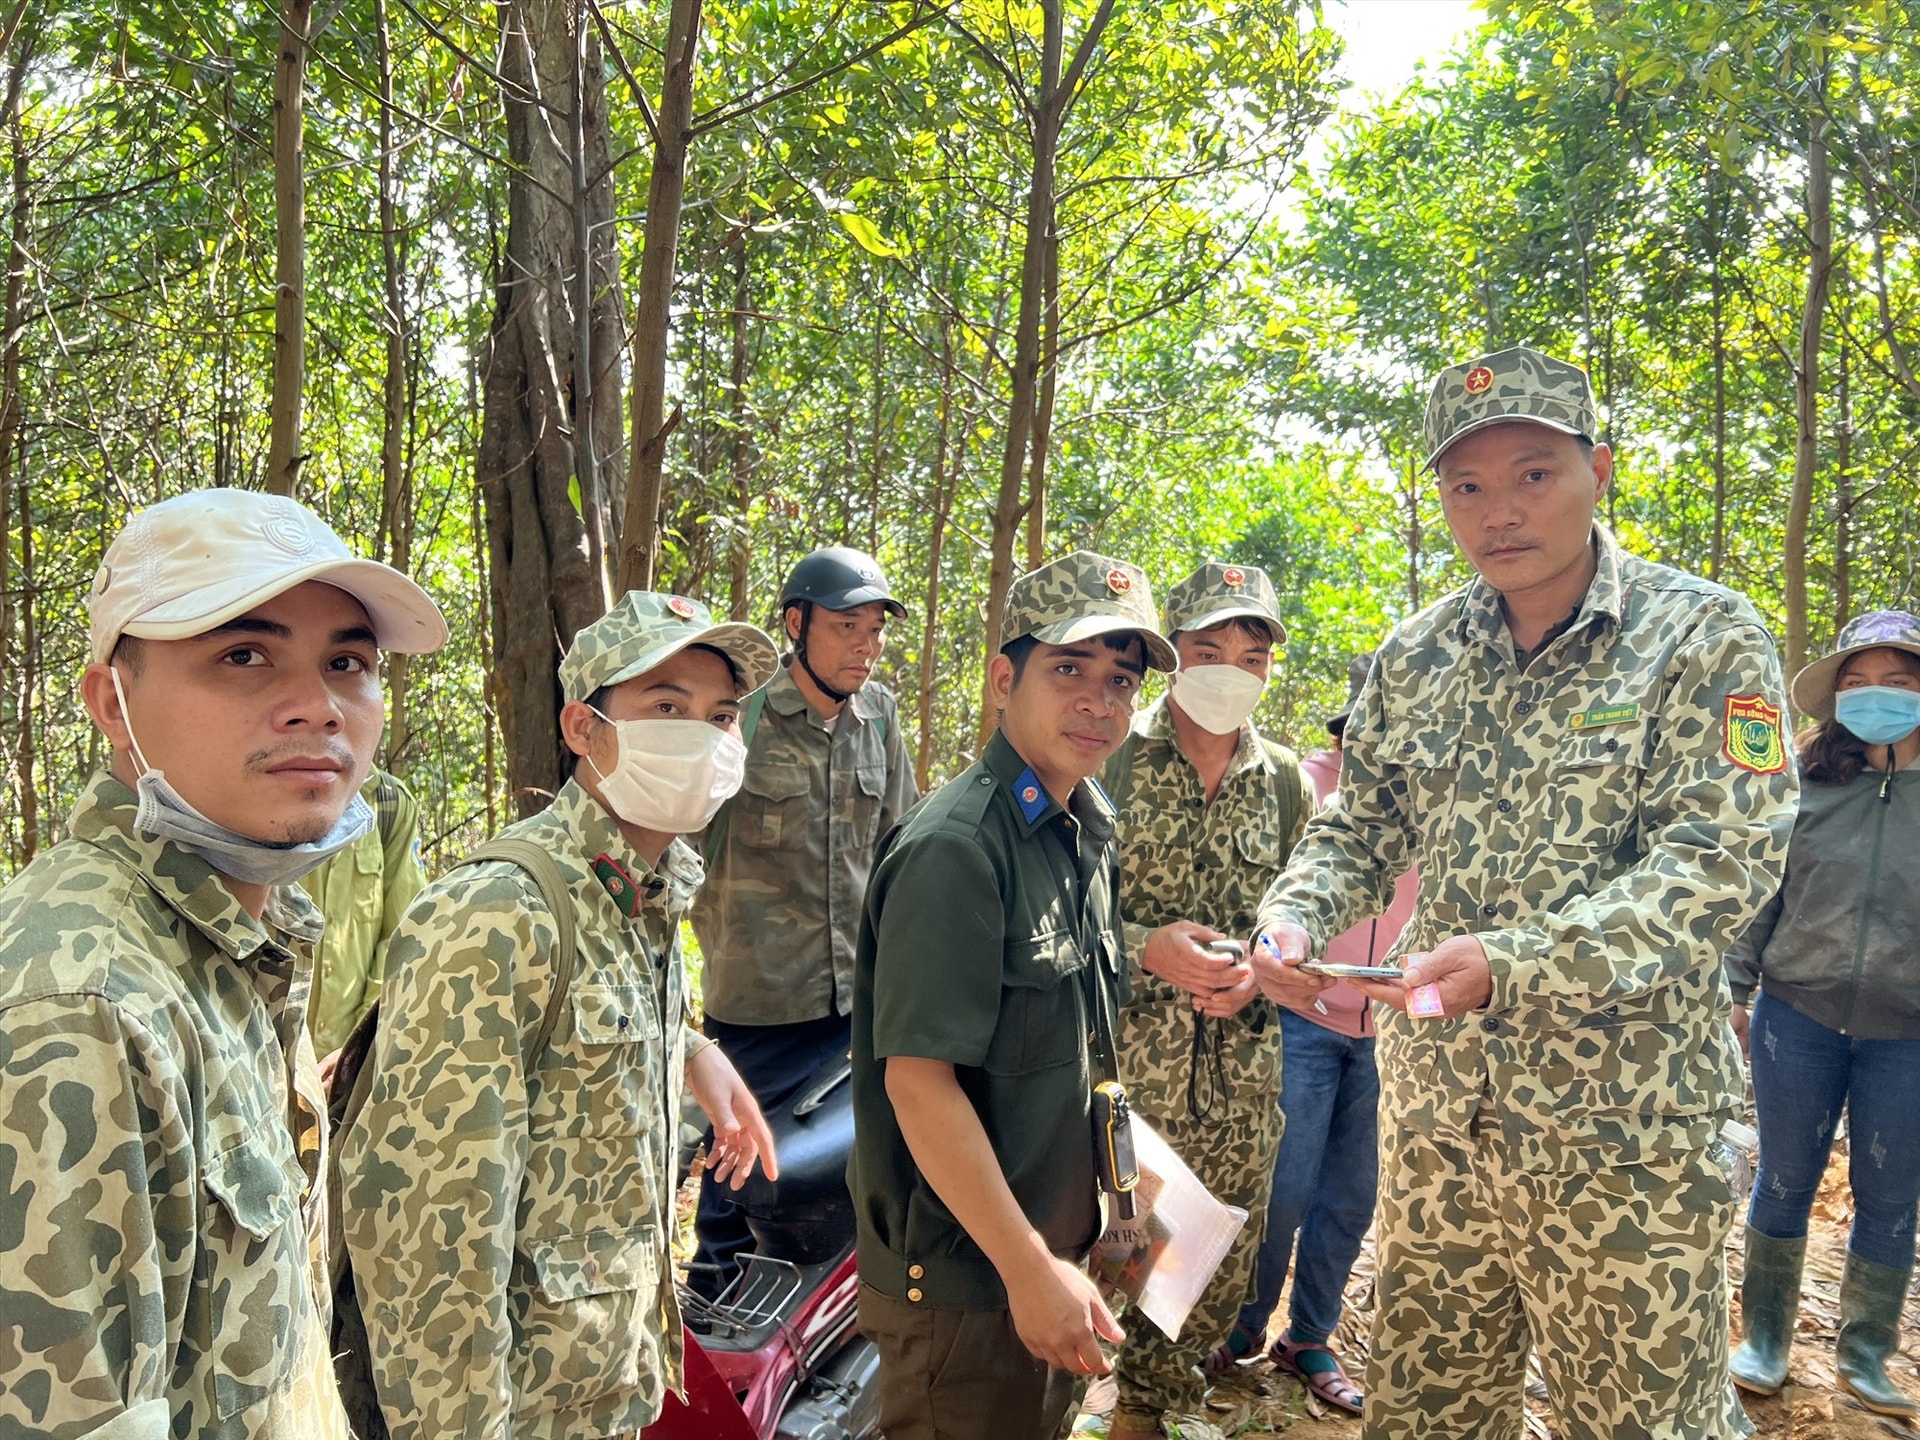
x,y
777,1356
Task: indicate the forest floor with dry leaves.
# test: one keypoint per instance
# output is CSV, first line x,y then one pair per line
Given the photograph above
x,y
1258,1401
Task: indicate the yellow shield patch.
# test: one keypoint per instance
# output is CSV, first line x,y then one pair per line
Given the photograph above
x,y
1754,740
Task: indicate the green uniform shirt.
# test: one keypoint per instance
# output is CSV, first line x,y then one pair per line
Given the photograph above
x,y
779,913
1585,817
363,891
161,1146
511,1232
973,950
1182,858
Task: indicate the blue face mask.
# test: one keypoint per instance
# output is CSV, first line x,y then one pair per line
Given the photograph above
x,y
1878,714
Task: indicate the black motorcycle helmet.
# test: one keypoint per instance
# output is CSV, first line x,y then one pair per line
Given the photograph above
x,y
836,578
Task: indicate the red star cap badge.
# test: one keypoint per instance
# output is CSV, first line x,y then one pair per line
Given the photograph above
x,y
1234,575
1479,380
1118,581
1030,794
680,607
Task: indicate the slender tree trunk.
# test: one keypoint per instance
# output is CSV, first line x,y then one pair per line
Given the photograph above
x,y
1043,412
1806,389
284,455
740,566
396,479
653,306
876,421
29,710
543,583
1716,561
1843,491
1415,539
20,220
943,492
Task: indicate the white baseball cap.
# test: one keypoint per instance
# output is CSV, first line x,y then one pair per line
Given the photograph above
x,y
183,566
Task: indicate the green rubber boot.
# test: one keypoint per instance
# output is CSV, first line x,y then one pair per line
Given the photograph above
x,y
1871,1297
1769,1301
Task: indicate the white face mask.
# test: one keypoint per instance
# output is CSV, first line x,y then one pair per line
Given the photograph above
x,y
671,775
164,813
1218,698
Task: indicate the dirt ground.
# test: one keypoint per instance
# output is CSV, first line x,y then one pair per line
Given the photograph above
x,y
1258,1401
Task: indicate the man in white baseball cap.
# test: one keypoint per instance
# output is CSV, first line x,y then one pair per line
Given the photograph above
x,y
166,1132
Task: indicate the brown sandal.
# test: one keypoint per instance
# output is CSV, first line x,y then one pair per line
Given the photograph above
x,y
1333,1386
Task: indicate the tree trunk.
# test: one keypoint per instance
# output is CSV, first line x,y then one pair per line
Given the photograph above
x,y
13,318
740,560
543,584
943,492
1843,490
396,480
1043,411
653,306
1806,388
284,455
1717,557
30,710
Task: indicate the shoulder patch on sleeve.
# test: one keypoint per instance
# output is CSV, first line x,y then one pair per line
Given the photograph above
x,y
1753,737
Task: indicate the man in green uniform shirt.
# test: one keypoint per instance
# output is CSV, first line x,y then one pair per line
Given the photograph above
x,y
1582,752
511,1214
164,1138
1208,811
991,933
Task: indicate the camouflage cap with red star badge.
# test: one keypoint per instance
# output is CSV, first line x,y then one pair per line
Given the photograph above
x,y
1220,591
645,629
1083,595
1515,384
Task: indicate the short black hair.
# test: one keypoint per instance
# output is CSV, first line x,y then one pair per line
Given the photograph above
x,y
128,650
1021,647
1251,626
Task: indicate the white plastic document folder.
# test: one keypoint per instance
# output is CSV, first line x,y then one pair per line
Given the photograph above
x,y
1162,1259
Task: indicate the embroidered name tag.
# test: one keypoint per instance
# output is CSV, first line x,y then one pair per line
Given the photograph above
x,y
1612,715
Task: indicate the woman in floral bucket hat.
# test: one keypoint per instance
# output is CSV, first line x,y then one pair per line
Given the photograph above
x,y
1836,959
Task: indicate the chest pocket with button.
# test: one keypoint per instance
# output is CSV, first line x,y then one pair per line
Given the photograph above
x,y
771,809
1041,1021
1426,754
1596,782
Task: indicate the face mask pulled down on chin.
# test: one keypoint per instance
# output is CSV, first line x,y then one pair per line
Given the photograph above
x,y
670,776
1218,698
165,814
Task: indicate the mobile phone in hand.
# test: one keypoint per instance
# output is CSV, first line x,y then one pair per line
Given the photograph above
x,y
1232,949
1353,972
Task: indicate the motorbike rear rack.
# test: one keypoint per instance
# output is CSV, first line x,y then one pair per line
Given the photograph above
x,y
753,1302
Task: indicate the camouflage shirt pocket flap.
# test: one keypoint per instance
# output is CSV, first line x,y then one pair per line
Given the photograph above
x,y
596,1262
873,779
777,782
1422,744
1615,745
259,1191
613,1015
1042,962
1259,847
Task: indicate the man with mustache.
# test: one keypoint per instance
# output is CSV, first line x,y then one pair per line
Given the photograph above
x,y
990,948
163,1147
1582,752
788,858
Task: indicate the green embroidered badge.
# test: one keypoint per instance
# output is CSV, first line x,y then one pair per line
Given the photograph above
x,y
1612,715
619,885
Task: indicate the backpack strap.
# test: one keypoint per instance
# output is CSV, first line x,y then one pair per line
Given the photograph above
x,y
539,863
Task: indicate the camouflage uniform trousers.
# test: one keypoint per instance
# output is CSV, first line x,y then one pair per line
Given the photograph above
x,y
1615,1276
1232,1152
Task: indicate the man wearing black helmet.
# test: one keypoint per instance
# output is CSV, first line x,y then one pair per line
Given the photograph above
x,y
787,859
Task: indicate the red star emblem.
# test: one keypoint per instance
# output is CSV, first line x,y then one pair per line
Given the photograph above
x,y
1234,575
1030,794
1479,380
680,607
1118,581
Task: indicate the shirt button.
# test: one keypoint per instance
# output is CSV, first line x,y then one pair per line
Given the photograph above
x,y
1525,707
913,1294
1489,909
1613,744
1504,806
1409,747
1492,1027
916,1272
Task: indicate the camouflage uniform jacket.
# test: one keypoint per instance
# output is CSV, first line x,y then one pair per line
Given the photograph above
x,y
1581,815
511,1228
787,861
160,1151
1184,859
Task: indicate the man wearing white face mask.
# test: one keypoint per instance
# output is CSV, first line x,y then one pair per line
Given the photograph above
x,y
510,1207
163,1268
1208,812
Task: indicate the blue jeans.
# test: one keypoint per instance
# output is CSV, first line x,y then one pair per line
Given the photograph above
x,y
1802,1074
1325,1178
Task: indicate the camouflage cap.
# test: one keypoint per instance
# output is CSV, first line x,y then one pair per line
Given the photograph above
x,y
1082,595
1516,384
1892,629
645,629
1220,591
